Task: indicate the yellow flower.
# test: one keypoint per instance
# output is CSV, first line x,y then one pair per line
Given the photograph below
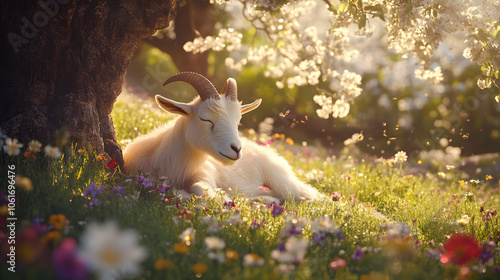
x,y
489,177
163,264
181,248
200,268
4,210
289,140
57,221
24,183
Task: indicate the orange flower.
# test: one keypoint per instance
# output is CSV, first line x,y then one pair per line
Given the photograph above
x,y
163,264
102,157
289,141
57,221
200,268
231,254
181,248
51,237
29,155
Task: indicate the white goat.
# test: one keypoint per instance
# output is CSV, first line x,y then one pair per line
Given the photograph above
x,y
200,151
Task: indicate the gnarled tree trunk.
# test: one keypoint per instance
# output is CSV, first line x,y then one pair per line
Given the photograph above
x,y
64,63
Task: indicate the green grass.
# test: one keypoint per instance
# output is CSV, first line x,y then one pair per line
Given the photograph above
x,y
375,196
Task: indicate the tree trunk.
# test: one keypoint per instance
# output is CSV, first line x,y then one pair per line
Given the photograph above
x,y
195,19
65,62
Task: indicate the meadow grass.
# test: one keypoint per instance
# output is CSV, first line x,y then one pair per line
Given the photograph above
x,y
385,223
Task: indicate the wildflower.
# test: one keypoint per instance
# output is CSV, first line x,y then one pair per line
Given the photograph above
x,y
111,164
337,263
93,190
188,236
200,268
118,190
277,210
398,230
163,264
181,248
231,255
57,221
358,254
486,255
24,183
253,260
67,263
489,177
256,224
464,220
293,251
94,202
29,155
400,156
214,243
12,147
337,196
217,256
461,249
488,215
34,146
323,225
109,250
52,152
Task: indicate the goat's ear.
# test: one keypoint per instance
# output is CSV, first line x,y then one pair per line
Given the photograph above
x,y
172,106
250,107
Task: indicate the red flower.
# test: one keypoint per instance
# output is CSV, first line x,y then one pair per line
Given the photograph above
x,y
461,249
111,164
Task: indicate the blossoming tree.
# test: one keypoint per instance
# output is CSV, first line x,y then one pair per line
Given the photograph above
x,y
298,53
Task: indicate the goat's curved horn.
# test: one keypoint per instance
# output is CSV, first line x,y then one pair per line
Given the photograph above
x,y
202,85
230,89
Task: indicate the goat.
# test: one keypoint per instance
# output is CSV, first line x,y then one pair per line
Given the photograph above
x,y
200,151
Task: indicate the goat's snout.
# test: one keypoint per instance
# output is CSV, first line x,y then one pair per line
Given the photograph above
x,y
235,148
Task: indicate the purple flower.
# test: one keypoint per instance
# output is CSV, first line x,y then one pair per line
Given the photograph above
x,y
277,210
140,180
66,262
118,189
319,238
358,254
162,189
37,220
93,190
229,203
294,231
147,183
486,255
94,202
256,224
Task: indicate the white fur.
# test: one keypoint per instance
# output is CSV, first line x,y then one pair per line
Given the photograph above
x,y
191,154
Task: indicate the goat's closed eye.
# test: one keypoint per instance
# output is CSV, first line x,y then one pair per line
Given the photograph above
x,y
208,121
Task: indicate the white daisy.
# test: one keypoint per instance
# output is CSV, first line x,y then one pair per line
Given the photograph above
x,y
214,243
52,152
12,147
110,252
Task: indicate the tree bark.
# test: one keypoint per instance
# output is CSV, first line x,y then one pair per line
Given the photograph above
x,y
64,64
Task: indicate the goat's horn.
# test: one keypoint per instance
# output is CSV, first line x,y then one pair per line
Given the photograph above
x,y
230,89
202,85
